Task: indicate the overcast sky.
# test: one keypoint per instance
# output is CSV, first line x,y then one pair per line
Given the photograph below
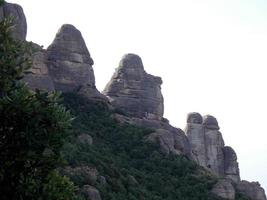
x,y
211,55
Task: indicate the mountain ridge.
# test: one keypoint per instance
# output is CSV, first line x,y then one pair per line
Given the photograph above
x,y
66,65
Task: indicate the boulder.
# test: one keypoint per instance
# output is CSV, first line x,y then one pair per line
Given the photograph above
x,y
224,189
85,139
231,169
90,193
135,92
16,11
171,142
82,174
252,190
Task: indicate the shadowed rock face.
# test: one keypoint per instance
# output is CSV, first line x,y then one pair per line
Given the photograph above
x,y
69,60
134,91
224,189
174,142
253,190
39,77
20,29
231,169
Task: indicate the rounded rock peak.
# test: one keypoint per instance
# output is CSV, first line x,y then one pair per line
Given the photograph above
x,y
230,153
69,29
194,118
131,60
210,122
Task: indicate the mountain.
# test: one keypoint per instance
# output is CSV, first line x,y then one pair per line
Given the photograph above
x,y
122,147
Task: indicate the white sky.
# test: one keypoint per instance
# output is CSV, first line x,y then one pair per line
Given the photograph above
x,y
211,55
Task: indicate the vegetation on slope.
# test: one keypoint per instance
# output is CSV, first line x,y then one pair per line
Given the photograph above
x,y
133,168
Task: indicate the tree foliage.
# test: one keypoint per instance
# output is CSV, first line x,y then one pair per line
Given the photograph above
x,y
33,126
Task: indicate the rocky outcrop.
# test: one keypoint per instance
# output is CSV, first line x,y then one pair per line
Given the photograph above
x,y
224,189
38,76
84,174
85,138
135,92
171,142
90,193
214,145
208,148
231,169
253,190
69,60
16,11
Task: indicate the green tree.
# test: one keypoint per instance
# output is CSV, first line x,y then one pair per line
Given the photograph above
x,y
33,126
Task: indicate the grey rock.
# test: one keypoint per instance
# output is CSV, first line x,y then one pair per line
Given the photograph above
x,y
170,142
85,174
16,11
210,122
39,77
253,190
90,193
194,118
69,60
85,139
224,189
208,146
214,151
196,136
135,92
70,64
231,169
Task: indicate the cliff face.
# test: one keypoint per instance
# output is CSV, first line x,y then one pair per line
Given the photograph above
x,y
15,11
208,148
66,65
134,91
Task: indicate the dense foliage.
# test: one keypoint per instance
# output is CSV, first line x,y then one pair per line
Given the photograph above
x,y
32,130
133,168
2,2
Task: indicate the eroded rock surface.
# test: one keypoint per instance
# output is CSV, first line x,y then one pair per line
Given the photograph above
x,y
16,11
39,77
224,189
134,91
253,190
90,193
69,60
70,64
231,169
171,142
208,148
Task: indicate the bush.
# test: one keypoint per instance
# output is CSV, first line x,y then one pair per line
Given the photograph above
x,y
133,168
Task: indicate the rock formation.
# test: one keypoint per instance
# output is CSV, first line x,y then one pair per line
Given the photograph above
x,y
174,142
224,189
231,169
253,190
135,92
70,64
39,77
208,148
67,66
15,11
69,60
